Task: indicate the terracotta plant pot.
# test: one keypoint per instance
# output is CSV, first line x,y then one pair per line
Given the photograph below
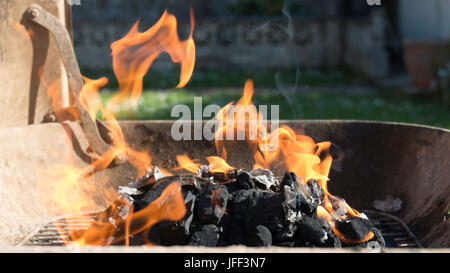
x,y
424,58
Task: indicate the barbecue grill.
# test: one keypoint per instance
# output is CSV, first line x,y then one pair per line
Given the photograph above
x,y
376,159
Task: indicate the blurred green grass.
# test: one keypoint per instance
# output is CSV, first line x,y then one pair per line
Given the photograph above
x,y
221,86
235,77
379,106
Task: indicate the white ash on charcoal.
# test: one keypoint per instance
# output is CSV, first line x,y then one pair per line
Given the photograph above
x,y
245,208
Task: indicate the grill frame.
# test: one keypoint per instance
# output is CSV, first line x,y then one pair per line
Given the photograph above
x,y
49,234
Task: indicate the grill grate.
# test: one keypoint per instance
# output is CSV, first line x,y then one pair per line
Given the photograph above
x,y
56,232
395,232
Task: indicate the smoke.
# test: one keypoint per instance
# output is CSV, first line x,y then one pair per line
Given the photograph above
x,y
286,89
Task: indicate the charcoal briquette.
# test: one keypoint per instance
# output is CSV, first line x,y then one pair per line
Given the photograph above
x,y
147,180
377,234
316,192
267,212
309,230
289,179
233,230
357,228
304,204
189,201
245,181
167,233
212,203
370,245
333,241
263,178
286,234
207,235
158,188
285,244
354,228
242,200
260,236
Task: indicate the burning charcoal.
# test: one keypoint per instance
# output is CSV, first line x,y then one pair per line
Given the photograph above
x,y
357,228
261,236
333,240
286,234
221,177
166,233
338,205
245,181
212,203
263,178
189,201
233,231
147,180
203,171
291,215
136,240
110,221
290,197
130,193
286,244
117,211
233,186
192,182
289,179
310,232
155,192
377,234
354,228
267,212
370,245
316,192
208,235
244,199
301,191
304,203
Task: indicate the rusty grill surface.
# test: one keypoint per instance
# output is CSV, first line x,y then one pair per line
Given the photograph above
x,y
55,233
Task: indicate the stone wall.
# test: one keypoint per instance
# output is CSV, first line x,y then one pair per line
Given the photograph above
x,y
280,41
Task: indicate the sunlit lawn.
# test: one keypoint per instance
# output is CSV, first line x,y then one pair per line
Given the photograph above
x,y
380,106
221,86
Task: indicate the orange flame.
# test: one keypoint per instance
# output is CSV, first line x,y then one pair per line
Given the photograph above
x,y
134,54
323,213
295,152
89,96
218,165
76,190
186,163
169,206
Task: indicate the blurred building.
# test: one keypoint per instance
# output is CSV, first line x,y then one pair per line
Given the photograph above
x,y
263,33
